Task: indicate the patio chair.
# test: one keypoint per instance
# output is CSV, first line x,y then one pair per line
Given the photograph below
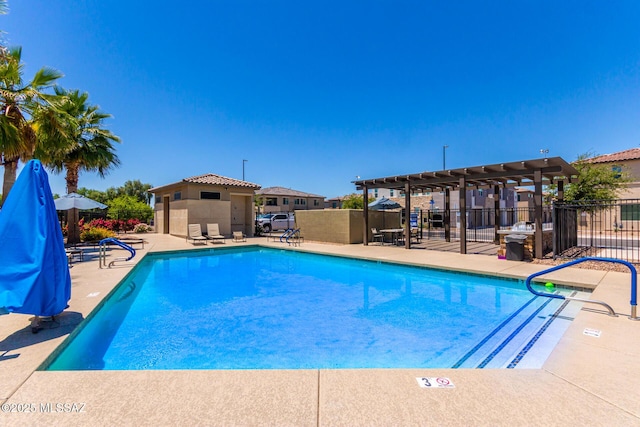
x,y
377,236
195,234
416,235
213,233
238,236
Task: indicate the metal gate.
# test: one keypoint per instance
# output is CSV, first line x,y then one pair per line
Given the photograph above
x,y
601,228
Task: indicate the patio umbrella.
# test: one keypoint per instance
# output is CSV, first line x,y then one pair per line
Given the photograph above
x,y
34,274
76,201
382,204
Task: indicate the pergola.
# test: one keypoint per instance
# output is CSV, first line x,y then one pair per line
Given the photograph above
x,y
535,172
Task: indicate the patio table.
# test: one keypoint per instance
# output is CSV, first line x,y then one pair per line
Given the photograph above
x,y
395,233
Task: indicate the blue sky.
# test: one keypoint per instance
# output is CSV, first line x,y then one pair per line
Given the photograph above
x,y
313,94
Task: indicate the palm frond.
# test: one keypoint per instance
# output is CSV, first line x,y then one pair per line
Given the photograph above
x,y
45,77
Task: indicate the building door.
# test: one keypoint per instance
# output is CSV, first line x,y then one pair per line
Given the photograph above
x,y
238,214
165,212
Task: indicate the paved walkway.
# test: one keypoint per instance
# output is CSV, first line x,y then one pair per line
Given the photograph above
x,y
586,380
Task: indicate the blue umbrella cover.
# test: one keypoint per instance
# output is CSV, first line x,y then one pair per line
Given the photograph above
x,y
34,271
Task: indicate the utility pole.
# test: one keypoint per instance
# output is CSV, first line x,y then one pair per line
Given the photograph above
x,y
444,157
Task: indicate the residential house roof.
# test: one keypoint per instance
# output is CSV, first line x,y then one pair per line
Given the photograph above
x,y
620,156
213,179
282,191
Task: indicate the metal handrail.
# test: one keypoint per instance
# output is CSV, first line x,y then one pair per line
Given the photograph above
x,y
634,284
292,236
102,251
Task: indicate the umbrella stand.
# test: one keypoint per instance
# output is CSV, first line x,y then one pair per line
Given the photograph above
x,y
73,231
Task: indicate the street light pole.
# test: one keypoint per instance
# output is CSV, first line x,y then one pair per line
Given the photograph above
x,y
243,162
444,157
544,151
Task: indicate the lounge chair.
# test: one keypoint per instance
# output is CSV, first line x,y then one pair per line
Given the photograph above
x,y
238,236
377,236
195,234
213,233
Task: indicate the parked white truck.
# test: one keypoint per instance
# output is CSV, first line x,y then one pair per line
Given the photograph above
x,y
279,221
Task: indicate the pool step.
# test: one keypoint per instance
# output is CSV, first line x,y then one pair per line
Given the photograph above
x,y
511,342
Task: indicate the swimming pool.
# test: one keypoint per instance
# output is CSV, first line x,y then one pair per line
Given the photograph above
x,y
262,308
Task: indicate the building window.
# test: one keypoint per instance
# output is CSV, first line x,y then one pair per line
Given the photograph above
x,y
518,197
630,212
316,202
210,195
300,202
158,199
177,195
617,171
271,201
285,200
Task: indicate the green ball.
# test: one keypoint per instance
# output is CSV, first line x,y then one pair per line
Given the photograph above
x,y
549,285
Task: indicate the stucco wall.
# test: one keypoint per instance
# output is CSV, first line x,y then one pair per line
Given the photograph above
x,y
333,226
205,212
341,225
178,216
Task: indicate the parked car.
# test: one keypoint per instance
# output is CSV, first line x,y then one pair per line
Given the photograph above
x,y
280,221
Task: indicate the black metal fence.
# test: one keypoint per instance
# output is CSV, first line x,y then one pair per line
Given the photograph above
x,y
609,228
89,216
481,223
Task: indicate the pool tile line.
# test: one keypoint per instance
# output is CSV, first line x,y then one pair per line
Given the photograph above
x,y
538,334
491,334
507,340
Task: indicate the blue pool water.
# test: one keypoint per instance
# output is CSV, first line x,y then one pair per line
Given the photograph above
x,y
259,308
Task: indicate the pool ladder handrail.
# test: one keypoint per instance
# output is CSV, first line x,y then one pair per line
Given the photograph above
x,y
634,285
293,235
102,254
286,234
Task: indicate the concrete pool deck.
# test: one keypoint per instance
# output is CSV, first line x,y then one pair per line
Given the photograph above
x,y
586,380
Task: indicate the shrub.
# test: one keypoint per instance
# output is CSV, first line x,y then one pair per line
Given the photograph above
x,y
129,224
142,228
92,234
109,224
128,207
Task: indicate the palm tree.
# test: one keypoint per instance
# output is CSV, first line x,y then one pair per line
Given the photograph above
x,y
19,102
91,146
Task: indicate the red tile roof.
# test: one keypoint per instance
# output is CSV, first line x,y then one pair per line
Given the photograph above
x,y
621,156
282,191
214,179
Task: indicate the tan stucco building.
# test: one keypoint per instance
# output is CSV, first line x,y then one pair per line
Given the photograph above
x,y
624,161
203,200
281,199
